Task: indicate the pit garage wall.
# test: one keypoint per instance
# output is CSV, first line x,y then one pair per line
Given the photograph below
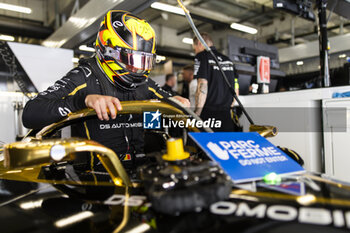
x,y
44,66
298,115
336,139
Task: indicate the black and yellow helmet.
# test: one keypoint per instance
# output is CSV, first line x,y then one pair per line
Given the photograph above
x,y
125,48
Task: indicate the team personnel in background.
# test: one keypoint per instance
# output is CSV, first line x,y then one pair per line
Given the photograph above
x,y
213,97
190,84
170,81
125,52
187,76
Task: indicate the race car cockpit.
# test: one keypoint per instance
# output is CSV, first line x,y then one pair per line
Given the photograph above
x,y
178,189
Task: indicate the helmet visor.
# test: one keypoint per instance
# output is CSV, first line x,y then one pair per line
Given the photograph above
x,y
134,61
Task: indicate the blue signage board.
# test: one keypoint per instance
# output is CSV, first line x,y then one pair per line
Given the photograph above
x,y
245,156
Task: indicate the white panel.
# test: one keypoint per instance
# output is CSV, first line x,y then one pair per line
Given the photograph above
x,y
307,143
43,65
337,154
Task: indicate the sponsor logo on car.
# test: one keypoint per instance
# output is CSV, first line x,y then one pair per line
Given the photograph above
x,y
285,213
307,215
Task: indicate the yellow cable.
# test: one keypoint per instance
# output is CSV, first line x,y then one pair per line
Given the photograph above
x,y
183,6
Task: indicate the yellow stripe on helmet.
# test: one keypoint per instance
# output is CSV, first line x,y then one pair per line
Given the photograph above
x,y
107,70
140,27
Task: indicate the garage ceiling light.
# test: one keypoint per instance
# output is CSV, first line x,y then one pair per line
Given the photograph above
x,y
342,55
187,40
168,8
300,63
54,43
7,38
16,8
85,48
243,28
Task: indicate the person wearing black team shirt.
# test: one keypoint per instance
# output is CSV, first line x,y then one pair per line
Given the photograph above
x,y
187,75
213,96
170,81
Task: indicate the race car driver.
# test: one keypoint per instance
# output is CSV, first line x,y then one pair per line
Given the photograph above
x,y
125,54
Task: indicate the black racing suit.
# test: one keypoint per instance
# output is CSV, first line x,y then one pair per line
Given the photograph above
x,y
124,134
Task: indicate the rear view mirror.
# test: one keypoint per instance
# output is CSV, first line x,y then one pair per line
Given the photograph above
x,y
264,130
